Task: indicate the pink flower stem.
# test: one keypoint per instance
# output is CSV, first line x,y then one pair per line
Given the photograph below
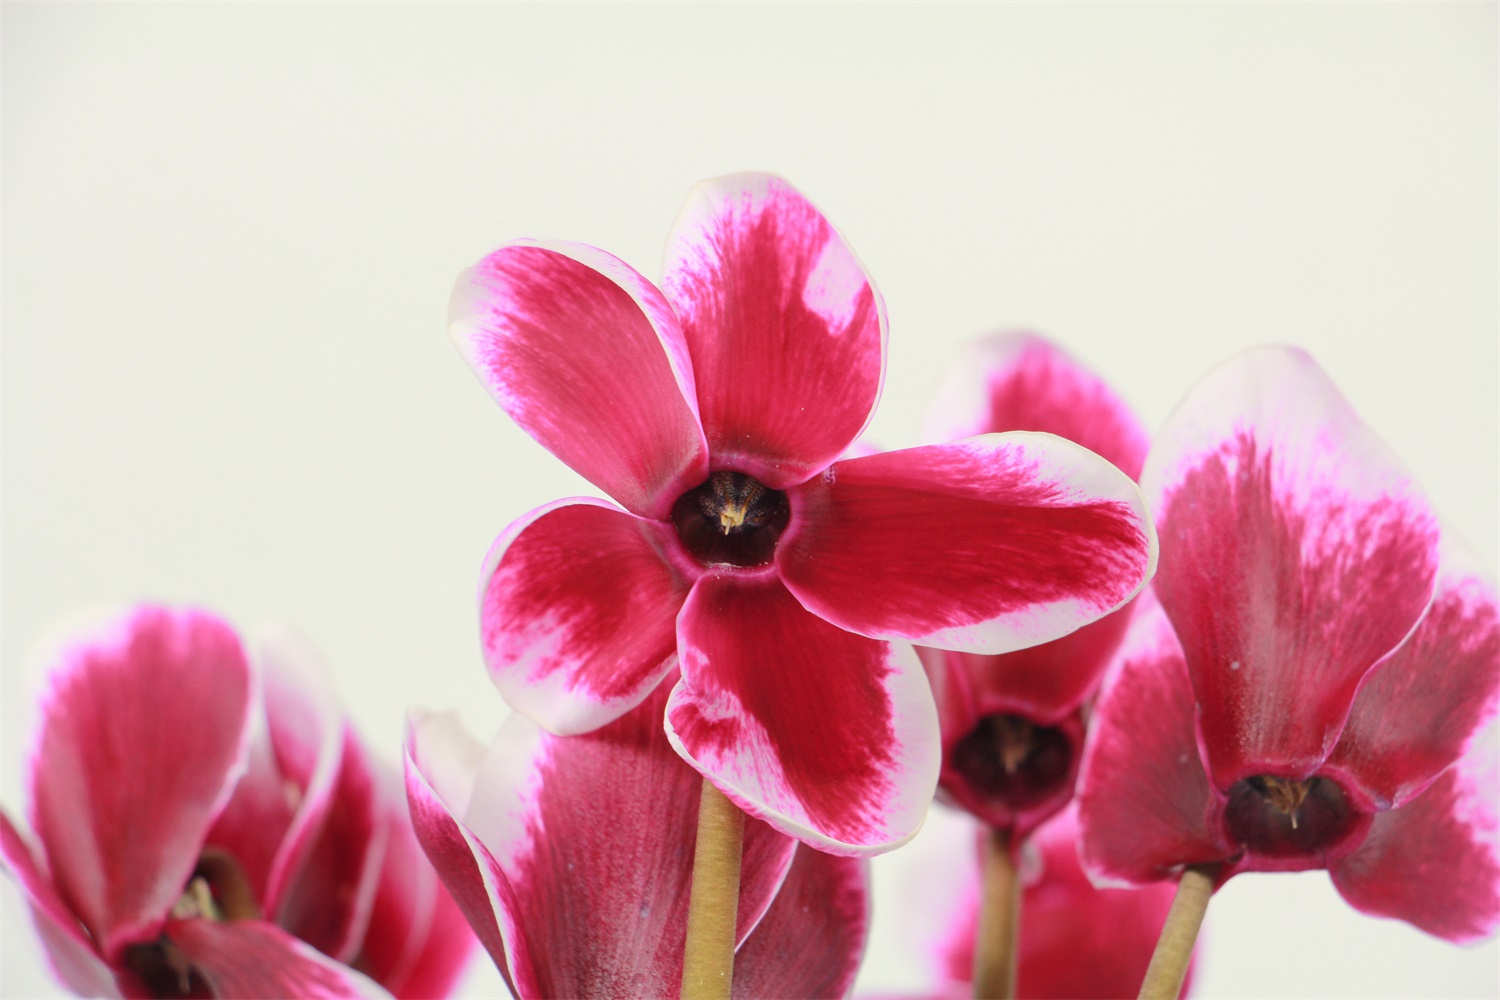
x,y
708,953
999,921
1175,946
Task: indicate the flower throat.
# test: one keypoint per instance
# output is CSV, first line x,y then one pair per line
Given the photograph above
x,y
731,518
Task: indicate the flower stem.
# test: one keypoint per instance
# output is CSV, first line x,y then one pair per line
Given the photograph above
x,y
1175,946
999,921
708,953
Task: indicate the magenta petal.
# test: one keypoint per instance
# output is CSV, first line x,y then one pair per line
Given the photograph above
x,y
445,951
440,766
594,835
251,959
1434,862
577,613
810,941
279,805
828,736
144,729
986,545
1023,382
328,902
1296,553
1416,710
587,357
1145,806
69,951
787,334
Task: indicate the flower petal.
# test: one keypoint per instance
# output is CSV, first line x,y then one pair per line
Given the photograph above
x,y
251,958
810,941
417,942
587,357
787,334
1145,807
1296,553
280,803
144,729
69,951
1434,862
577,613
829,737
986,545
329,901
441,763
1418,708
1023,382
594,835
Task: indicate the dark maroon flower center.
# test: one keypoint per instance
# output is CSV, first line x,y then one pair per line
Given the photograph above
x,y
731,519
216,890
1013,760
1283,817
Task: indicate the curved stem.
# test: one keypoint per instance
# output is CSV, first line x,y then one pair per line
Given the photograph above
x,y
999,921
708,952
1174,949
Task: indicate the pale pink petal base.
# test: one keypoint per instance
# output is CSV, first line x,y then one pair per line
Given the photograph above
x,y
577,613
1296,552
986,545
587,357
249,958
828,736
1434,862
786,332
144,730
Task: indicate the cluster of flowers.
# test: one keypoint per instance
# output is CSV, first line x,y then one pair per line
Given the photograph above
x,y
827,635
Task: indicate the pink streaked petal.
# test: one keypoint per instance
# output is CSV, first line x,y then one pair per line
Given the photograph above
x,y
828,736
328,903
441,764
1416,711
588,358
280,803
577,614
786,332
250,958
986,545
1023,382
69,951
811,940
1296,552
1434,862
595,836
143,729
1145,807
445,953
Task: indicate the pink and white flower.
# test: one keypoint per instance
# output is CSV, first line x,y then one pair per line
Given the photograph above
x,y
210,826
1013,723
785,583
572,858
1307,693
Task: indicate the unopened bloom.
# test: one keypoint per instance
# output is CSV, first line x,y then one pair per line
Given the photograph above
x,y
572,858
1013,723
1307,692
211,826
784,583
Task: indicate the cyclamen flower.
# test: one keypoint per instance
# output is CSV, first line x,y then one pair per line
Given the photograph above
x,y
1077,941
213,828
1295,703
786,584
1013,724
572,858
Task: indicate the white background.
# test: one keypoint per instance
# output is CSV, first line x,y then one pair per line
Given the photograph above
x,y
230,233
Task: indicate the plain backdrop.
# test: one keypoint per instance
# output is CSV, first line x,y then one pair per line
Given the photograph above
x,y
230,234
